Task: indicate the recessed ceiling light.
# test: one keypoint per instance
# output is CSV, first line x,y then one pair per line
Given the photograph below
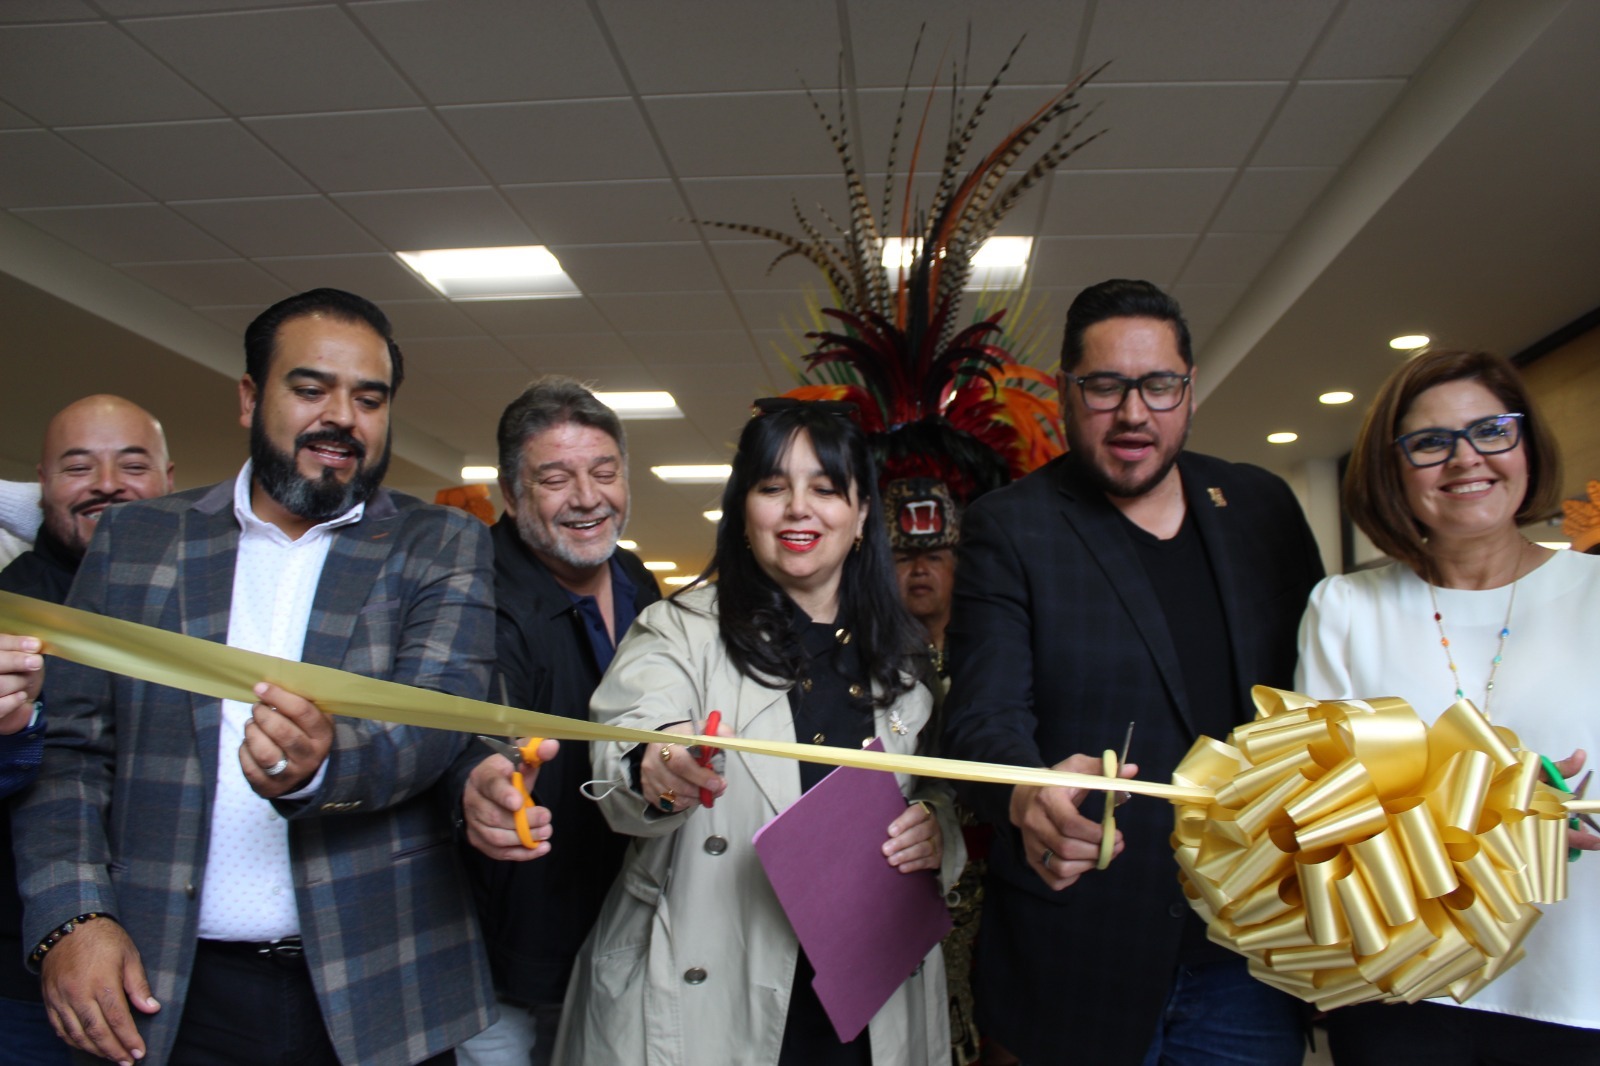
x,y
640,405
703,474
1282,438
480,473
1410,342
527,272
679,580
629,545
660,564
999,263
1336,397
712,516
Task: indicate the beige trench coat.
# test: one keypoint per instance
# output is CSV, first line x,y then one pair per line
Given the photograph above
x,y
691,960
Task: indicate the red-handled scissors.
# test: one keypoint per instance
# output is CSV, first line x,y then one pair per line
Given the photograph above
x,y
527,753
705,753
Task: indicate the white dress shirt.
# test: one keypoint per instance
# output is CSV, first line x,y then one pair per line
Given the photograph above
x,y
248,893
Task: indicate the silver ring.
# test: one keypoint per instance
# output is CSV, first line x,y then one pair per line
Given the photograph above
x,y
1044,860
277,768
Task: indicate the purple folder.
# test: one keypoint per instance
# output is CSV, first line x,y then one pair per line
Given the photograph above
x,y
865,926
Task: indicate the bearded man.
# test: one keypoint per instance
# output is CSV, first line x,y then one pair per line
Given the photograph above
x,y
213,881
1127,580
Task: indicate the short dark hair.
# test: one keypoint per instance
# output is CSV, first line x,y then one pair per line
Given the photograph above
x,y
754,614
261,336
550,401
1374,495
1121,298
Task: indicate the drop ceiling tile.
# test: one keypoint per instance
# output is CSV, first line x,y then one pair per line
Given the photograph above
x,y
770,202
574,140
127,233
215,158
662,267
506,317
603,212
227,281
745,265
1221,40
1074,262
287,225
438,317
1379,38
489,390
360,151
1271,200
742,133
377,277
45,11
1323,122
544,350
145,8
1231,258
39,169
12,119
890,27
85,73
277,62
446,356
674,312
757,46
1204,308
1151,127
235,318
1103,202
494,50
700,348
776,309
437,218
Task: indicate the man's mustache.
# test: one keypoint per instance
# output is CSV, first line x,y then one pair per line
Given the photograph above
x,y
331,436
97,500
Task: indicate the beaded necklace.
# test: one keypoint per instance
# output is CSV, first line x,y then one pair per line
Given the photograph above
x,y
1499,651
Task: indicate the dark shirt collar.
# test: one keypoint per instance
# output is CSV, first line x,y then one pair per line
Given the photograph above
x,y
55,551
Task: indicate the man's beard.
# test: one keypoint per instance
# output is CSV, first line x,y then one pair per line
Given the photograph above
x,y
545,540
322,498
1111,485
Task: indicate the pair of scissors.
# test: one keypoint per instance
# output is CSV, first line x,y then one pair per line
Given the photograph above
x,y
704,754
527,753
1582,818
1111,763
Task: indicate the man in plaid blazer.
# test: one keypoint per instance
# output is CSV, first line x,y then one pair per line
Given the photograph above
x,y
1129,580
154,817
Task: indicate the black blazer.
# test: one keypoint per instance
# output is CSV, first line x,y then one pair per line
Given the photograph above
x,y
535,915
1058,641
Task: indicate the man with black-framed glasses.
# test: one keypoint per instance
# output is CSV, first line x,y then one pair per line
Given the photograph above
x,y
1128,580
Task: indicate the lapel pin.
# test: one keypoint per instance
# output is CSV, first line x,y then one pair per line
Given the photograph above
x,y
1217,498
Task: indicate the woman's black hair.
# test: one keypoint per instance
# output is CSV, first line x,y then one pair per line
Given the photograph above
x,y
754,615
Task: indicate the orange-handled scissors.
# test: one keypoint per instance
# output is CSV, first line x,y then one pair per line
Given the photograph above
x,y
705,753
527,753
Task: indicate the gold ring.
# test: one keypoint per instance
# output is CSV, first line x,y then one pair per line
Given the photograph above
x,y
666,753
1044,860
668,801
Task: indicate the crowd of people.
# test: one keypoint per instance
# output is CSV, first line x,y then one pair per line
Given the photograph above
x,y
212,881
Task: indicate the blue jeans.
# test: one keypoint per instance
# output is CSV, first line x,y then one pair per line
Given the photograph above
x,y
1218,1015
27,1037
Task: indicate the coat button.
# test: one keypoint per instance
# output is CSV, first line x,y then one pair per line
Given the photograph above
x,y
188,890
1177,910
716,845
856,691
695,975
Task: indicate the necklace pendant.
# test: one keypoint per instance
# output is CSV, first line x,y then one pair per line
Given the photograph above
x,y
896,724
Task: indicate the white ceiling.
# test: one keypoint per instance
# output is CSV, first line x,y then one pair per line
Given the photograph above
x,y
1308,177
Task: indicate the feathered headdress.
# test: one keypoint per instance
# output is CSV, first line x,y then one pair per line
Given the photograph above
x,y
945,400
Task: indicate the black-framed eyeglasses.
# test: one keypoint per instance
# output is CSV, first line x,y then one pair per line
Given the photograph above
x,y
1104,391
1488,436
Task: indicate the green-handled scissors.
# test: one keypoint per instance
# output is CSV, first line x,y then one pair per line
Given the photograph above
x,y
527,753
1555,778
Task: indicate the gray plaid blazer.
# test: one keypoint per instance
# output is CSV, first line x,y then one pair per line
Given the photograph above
x,y
121,817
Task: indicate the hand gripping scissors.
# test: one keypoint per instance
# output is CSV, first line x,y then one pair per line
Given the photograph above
x,y
705,755
527,753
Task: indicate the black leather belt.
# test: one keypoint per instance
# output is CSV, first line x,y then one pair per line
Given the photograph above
x,y
290,950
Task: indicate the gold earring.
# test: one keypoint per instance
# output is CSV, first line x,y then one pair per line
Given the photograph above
x,y
858,542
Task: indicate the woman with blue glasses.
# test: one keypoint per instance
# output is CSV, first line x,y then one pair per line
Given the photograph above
x,y
1451,460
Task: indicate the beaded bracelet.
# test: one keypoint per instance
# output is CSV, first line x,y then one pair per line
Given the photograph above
x,y
61,931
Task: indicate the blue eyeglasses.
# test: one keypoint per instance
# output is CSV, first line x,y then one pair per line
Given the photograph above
x,y
1488,436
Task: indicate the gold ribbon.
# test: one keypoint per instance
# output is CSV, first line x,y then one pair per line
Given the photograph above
x,y
1348,850
1354,853
212,669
